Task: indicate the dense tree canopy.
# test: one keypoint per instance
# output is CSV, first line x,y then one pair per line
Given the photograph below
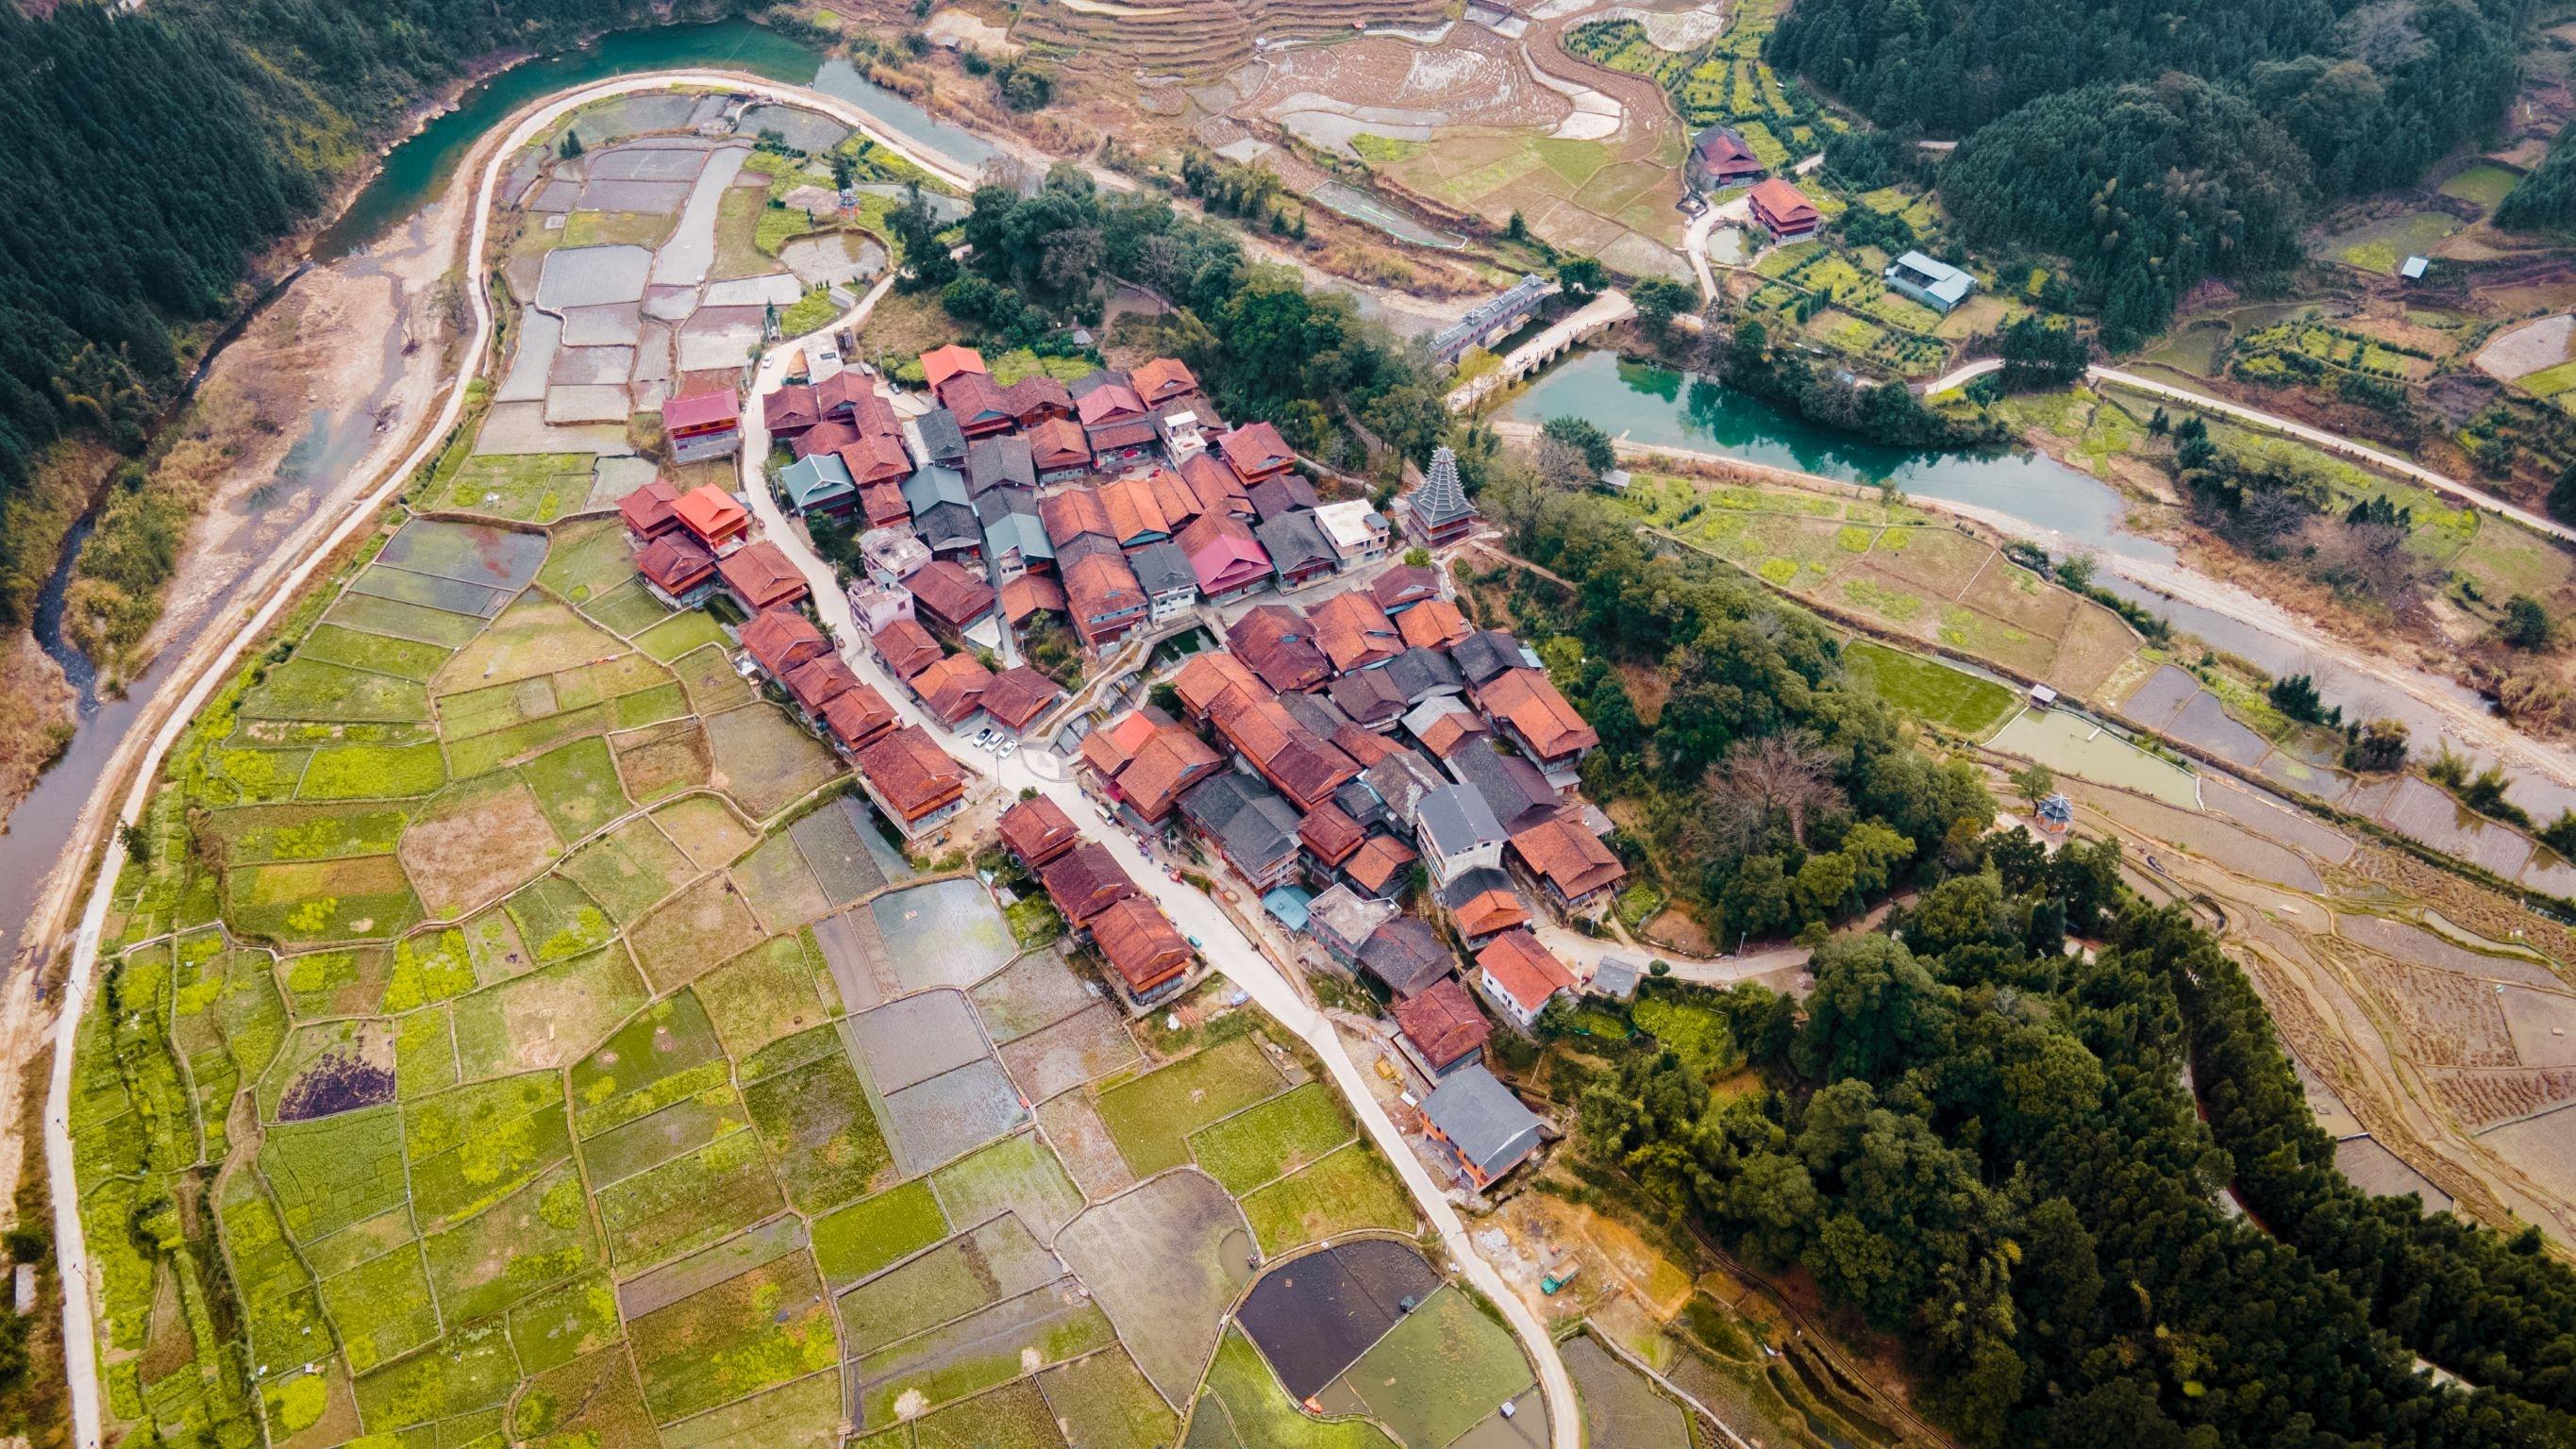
x,y
2057,102
1771,793
151,153
1987,1145
2545,199
1265,345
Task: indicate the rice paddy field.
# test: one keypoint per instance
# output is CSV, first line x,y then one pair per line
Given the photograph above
x,y
557,1098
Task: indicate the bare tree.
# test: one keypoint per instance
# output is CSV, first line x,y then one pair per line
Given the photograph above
x,y
2371,561
1790,772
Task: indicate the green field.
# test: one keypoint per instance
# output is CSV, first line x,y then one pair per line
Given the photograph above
x,y
1953,699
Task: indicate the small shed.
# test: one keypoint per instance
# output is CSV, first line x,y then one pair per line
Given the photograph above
x,y
2042,697
1616,977
2414,268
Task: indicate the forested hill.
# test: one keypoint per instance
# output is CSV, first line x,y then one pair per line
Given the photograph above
x,y
151,154
2080,138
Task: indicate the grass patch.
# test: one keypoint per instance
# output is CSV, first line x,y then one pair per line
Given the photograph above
x,y
1152,1117
679,634
872,1233
1346,1189
1953,699
1262,1414
373,772
577,787
1262,1143
822,1134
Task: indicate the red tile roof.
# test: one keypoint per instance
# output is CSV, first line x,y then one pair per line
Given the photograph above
x,y
818,681
949,593
1354,632
763,575
942,363
676,562
1164,769
1525,699
1073,513
1255,451
1444,735
1214,485
875,459
1109,748
780,639
1570,859
884,504
1330,834
1085,881
1162,380
1031,594
1100,592
1035,396
857,715
911,773
1489,913
1018,695
1405,584
1278,644
1379,863
907,648
1059,443
1135,512
1038,831
706,410
1210,673
1781,206
1442,1022
1224,553
953,688
1364,745
826,437
1432,624
1108,403
710,513
1302,767
647,510
1523,969
1139,944
792,406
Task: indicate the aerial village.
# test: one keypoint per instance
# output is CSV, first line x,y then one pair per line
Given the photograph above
x,y
1387,793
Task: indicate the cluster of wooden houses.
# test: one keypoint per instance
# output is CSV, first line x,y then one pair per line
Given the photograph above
x,y
1374,749
1118,501
1099,902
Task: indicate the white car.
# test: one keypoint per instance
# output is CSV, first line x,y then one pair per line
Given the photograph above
x,y
983,739
1006,750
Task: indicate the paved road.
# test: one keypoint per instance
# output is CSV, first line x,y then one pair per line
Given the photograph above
x,y
2343,446
2335,443
1221,942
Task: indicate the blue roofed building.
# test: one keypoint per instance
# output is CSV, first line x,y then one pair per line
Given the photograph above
x,y
1934,283
819,484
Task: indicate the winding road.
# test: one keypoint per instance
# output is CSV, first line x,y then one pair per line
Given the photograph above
x,y
326,536
1220,941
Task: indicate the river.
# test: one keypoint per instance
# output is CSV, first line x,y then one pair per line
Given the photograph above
x,y
1661,407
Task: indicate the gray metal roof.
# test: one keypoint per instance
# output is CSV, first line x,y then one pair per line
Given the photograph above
x,y
1454,819
1256,826
1294,541
940,435
1616,976
1407,955
946,525
1421,674
1161,568
1488,653
1511,787
1002,462
1483,1120
934,484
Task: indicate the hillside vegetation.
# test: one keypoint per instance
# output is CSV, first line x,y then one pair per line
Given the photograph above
x,y
152,154
2154,146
